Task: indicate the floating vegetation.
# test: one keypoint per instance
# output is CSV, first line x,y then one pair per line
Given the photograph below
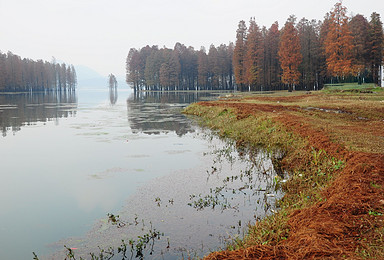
x,y
138,248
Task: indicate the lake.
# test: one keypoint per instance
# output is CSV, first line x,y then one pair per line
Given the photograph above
x,y
69,159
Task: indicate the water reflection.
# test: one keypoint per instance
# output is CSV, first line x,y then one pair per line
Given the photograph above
x,y
17,110
159,112
110,162
196,210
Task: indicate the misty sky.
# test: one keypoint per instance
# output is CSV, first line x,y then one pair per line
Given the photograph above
x,y
99,33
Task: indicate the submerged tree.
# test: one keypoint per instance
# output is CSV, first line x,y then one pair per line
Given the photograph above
x,y
112,82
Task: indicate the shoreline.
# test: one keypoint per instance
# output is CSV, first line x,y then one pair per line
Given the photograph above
x,y
337,172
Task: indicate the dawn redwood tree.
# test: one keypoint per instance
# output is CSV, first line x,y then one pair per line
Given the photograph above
x,y
68,76
339,44
239,54
213,67
229,65
254,59
133,68
272,67
169,69
152,69
310,66
191,68
290,55
3,72
74,76
174,70
202,68
63,74
377,47
222,64
360,30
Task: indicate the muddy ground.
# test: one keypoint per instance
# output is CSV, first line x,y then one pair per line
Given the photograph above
x,y
348,221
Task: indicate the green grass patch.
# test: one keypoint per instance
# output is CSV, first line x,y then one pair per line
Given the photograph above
x,y
351,88
346,86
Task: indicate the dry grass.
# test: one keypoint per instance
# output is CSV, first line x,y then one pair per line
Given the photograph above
x,y
335,152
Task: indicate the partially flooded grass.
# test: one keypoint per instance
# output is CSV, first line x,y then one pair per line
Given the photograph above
x,y
257,183
253,130
303,187
318,145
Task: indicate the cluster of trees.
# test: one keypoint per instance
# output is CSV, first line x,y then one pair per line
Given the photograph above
x,y
301,55
17,74
180,68
308,54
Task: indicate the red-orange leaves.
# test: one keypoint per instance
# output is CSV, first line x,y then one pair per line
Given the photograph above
x,y
289,54
339,44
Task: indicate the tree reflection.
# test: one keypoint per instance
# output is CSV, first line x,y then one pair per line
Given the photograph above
x,y
18,110
157,112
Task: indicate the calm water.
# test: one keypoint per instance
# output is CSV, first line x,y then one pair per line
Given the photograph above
x,y
68,160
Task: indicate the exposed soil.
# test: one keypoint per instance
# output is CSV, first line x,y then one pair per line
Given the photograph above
x,y
348,216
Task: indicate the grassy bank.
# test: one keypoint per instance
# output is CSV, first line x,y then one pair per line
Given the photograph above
x,y
333,145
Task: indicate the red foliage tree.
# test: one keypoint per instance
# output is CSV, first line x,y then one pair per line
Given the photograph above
x,y
239,55
290,55
339,44
254,59
272,67
360,28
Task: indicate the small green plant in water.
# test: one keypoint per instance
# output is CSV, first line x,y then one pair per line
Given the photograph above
x,y
115,220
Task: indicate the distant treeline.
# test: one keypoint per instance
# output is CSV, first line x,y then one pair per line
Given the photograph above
x,y
180,68
303,55
17,74
307,54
